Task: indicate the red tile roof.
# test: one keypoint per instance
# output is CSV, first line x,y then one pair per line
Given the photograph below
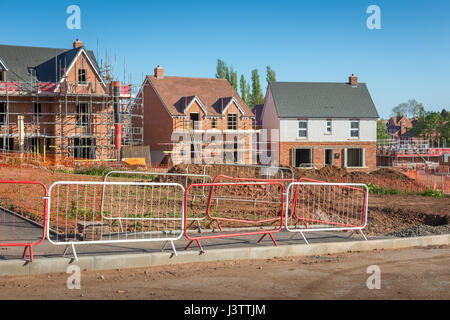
x,y
177,92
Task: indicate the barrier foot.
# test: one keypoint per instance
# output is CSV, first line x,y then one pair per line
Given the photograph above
x,y
73,250
25,253
199,226
261,239
303,236
273,240
173,247
74,253
198,243
362,233
218,224
271,237
200,246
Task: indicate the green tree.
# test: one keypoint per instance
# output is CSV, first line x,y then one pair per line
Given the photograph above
x,y
432,127
271,75
410,109
382,131
233,78
221,70
257,95
245,90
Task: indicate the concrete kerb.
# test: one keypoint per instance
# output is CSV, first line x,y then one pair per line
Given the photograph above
x,y
124,261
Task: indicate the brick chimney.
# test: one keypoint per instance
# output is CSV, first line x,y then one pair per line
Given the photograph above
x,y
353,80
77,44
159,72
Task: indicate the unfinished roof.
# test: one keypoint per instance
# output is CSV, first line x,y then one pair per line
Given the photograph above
x,y
322,100
215,94
46,63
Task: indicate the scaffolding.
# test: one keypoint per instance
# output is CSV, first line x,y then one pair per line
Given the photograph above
x,y
238,140
67,120
408,154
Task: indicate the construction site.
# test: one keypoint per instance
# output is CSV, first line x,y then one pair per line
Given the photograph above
x,y
78,186
83,114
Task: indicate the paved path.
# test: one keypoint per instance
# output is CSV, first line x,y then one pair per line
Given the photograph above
x,y
27,231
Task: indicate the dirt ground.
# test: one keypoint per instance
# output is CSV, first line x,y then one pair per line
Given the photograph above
x,y
389,213
414,273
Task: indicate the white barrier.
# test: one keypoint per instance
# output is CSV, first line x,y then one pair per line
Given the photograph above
x,y
82,213
184,179
323,206
265,172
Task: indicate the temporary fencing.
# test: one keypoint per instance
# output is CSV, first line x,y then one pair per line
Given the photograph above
x,y
114,212
323,206
181,178
135,206
243,171
236,209
22,203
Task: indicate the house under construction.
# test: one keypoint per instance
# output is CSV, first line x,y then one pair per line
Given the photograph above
x,y
59,103
409,154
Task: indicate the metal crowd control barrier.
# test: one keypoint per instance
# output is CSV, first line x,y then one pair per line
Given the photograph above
x,y
323,206
180,178
237,209
147,212
21,202
223,178
238,170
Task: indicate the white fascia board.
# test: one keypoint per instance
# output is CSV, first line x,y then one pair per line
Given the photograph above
x,y
199,103
236,103
3,65
73,63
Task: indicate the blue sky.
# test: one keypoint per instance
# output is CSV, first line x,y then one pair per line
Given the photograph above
x,y
322,41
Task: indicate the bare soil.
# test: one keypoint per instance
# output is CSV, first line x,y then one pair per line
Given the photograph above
x,y
414,273
388,213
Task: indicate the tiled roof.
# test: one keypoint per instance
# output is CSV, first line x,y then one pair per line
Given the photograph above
x,y
47,62
177,92
322,100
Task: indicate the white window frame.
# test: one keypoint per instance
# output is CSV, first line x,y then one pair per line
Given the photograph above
x,y
363,157
329,126
355,129
302,129
232,124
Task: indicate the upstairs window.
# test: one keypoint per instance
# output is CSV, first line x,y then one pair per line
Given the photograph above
x,y
82,76
354,128
232,121
303,128
329,126
2,75
195,121
82,114
214,123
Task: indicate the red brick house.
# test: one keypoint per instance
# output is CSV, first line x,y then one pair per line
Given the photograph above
x,y
55,102
196,106
398,127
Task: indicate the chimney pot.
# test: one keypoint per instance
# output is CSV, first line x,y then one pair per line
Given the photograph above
x,y
353,80
159,72
77,44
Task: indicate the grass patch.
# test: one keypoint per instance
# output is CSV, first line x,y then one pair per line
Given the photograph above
x,y
374,189
432,193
